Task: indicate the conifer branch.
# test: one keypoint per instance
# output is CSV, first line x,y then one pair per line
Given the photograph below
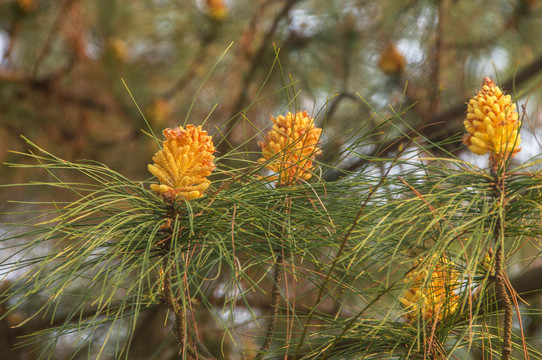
x,y
504,299
199,351
173,305
499,194
274,305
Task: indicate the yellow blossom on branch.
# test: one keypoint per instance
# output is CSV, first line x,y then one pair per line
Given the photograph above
x,y
290,147
184,163
492,123
432,294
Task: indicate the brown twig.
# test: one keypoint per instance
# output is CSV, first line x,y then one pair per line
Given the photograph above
x,y
191,72
50,36
504,299
255,64
173,304
499,194
13,33
274,305
199,351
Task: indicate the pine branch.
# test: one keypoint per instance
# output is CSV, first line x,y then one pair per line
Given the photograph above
x,y
499,194
441,125
273,306
504,299
174,305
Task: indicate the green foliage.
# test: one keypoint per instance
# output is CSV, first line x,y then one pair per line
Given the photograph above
x,y
95,265
99,261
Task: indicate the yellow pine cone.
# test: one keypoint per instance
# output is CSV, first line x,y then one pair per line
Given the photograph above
x,y
432,294
216,9
492,123
184,163
290,146
391,60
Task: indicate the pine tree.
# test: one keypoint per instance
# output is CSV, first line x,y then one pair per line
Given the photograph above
x,y
328,186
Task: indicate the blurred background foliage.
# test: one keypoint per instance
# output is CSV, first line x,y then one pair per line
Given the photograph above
x,y
62,61
61,65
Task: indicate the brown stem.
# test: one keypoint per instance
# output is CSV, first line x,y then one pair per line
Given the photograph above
x,y
197,353
174,305
202,351
225,144
504,298
497,170
12,37
274,306
61,16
